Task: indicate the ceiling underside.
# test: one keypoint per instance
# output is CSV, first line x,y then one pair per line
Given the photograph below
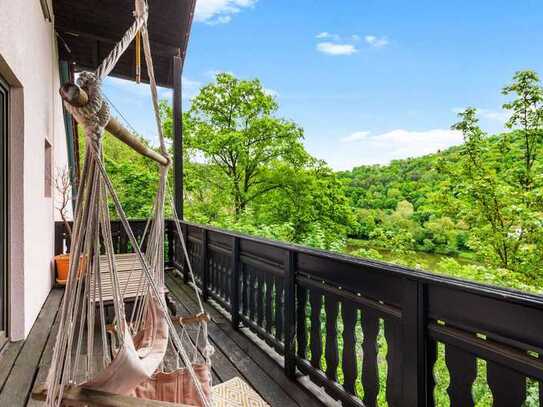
x,y
89,29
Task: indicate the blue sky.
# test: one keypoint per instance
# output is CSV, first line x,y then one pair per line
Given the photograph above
x,y
369,81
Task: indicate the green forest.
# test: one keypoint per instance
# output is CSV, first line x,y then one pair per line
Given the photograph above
x,y
472,211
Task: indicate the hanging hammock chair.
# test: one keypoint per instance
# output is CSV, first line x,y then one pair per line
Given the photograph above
x,y
132,357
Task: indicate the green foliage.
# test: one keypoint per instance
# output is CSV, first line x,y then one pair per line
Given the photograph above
x,y
499,186
231,124
247,170
134,177
483,198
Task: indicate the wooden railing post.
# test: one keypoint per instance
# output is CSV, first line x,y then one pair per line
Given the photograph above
x,y
235,283
203,266
290,313
413,339
171,243
184,260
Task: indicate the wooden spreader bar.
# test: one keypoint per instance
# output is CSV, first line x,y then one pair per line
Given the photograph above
x,y
188,320
193,319
77,97
80,396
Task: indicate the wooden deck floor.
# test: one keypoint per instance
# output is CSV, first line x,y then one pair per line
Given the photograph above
x,y
25,364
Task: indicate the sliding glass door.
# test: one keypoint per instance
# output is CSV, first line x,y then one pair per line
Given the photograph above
x,y
3,209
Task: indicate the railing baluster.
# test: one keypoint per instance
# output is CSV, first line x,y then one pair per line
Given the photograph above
x,y
431,355
210,273
315,299
462,370
370,374
349,316
217,270
204,266
245,289
225,281
290,313
235,283
508,387
331,307
184,260
222,276
260,299
252,293
171,243
394,372
279,311
269,303
301,321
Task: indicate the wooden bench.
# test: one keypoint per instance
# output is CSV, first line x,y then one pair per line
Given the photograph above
x,y
129,274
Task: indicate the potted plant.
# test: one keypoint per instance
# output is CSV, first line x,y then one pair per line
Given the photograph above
x,y
64,188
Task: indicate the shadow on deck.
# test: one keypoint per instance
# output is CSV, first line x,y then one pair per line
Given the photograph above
x,y
25,364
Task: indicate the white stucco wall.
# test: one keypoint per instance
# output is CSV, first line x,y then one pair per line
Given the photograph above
x,y
28,60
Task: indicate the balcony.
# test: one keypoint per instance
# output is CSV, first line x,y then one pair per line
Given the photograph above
x,y
305,327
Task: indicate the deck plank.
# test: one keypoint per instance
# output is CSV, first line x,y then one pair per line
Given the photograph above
x,y
7,359
18,385
45,362
269,379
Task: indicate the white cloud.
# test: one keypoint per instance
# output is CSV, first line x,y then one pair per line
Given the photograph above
x,y
363,148
376,42
326,35
219,11
356,136
336,49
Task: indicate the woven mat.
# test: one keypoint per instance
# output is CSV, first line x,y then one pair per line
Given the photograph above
x,y
236,393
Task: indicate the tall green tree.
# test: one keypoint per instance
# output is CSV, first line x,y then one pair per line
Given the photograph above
x,y
231,123
526,115
499,187
247,169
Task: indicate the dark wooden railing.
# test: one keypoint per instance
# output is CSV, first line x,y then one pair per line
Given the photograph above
x,y
367,331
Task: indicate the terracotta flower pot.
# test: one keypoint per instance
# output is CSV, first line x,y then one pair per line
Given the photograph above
x,y
62,266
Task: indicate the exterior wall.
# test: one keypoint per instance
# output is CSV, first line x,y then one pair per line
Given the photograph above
x,y
29,63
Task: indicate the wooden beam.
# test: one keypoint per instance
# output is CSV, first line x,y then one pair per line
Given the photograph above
x,y
121,133
75,96
178,135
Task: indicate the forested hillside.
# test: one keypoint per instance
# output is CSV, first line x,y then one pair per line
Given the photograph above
x,y
404,196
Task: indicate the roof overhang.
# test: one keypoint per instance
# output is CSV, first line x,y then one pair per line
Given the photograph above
x,y
88,30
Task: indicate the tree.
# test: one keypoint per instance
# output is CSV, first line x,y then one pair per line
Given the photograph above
x,y
499,191
526,114
231,123
246,169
